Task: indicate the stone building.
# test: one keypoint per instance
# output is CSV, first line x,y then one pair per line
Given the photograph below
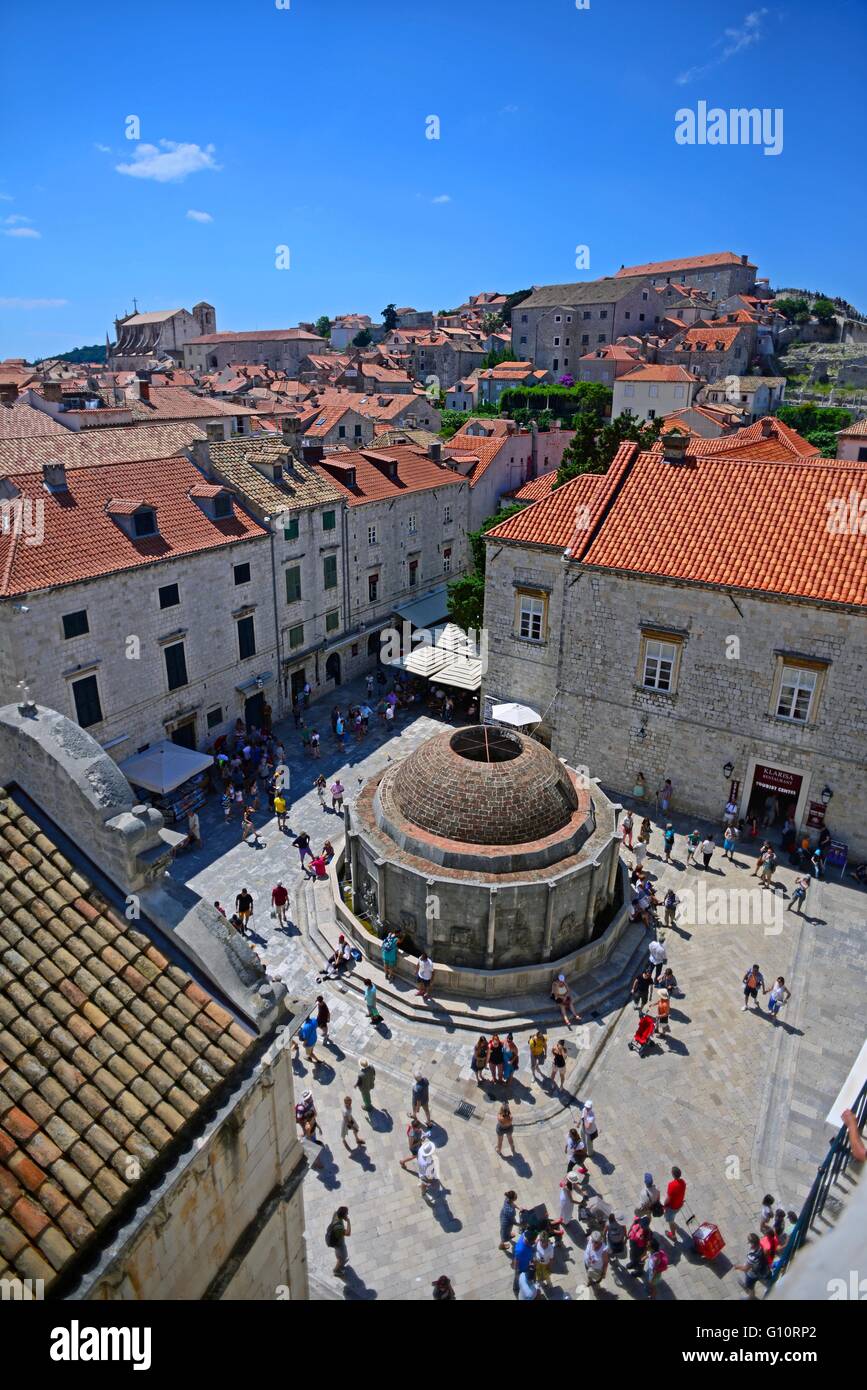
x,y
559,324
711,351
148,1147
663,624
719,275
144,340
650,391
281,349
497,458
484,849
852,442
137,600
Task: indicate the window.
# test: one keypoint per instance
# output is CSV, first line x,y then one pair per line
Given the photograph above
x,y
641,318
357,431
586,314
75,624
215,433
371,535
411,523
329,568
644,294
651,414
176,665
222,506
627,315
214,717
556,342
558,318
341,430
600,338
531,617
678,393
447,516
523,337
567,342
585,338
290,530
332,620
653,390
555,364
296,635
795,699
242,573
169,596
372,587
293,584
413,573
144,523
447,560
246,638
328,521
568,318
523,318
86,696
603,313
659,663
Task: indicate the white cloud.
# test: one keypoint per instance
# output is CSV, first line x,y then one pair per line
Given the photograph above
x,y
23,231
168,163
6,198
14,218
442,198
33,303
195,216
732,41
103,149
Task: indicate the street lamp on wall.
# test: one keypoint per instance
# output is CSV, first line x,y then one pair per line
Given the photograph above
x,y
826,794
728,769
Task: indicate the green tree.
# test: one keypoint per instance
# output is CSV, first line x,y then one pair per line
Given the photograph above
x,y
363,339
323,326
451,421
498,355
808,418
594,445
823,309
793,309
491,323
389,317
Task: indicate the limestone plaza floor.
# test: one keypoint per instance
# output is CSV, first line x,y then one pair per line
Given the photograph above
x,y
736,1100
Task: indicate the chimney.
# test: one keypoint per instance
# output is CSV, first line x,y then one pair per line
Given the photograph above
x,y
767,428
8,393
435,452
54,477
312,453
52,391
674,445
144,390
744,260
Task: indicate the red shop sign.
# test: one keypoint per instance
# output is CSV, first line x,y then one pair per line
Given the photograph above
x,y
773,779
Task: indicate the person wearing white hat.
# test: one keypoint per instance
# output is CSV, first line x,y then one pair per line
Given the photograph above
x,y
589,1127
563,999
428,1166
596,1259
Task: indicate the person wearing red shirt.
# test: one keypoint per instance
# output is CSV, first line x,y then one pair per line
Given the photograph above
x,y
279,899
674,1199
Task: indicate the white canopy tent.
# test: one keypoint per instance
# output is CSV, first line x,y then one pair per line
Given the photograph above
x,y
519,716
465,672
164,766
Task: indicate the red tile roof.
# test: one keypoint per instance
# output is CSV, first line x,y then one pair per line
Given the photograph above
x,y
767,438
709,337
177,403
535,489
714,261
416,472
25,421
856,429
82,542
656,372
80,449
730,523
564,519
265,335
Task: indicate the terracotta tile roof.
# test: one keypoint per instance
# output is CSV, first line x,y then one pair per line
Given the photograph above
x,y
857,429
177,403
118,444
416,472
721,521
535,489
657,372
769,436
24,421
716,260
264,335
81,540
609,290
709,337
554,521
613,352
108,1052
508,369
301,486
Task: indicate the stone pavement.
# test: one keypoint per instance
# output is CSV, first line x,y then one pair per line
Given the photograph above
x,y
736,1100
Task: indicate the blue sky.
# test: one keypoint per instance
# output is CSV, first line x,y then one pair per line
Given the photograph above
x,y
305,127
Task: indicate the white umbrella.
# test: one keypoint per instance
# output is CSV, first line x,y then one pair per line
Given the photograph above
x,y
518,715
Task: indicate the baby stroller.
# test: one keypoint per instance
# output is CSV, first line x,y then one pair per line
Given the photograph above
x,y
534,1220
643,1035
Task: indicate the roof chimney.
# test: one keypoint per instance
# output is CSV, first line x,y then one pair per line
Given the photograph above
x,y
312,453
8,393
54,477
767,427
674,446
435,451
744,260
52,391
144,391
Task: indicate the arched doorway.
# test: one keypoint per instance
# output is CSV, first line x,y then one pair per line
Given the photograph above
x,y
332,668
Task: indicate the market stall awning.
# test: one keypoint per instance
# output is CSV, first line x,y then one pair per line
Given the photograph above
x,y
464,672
519,716
424,612
164,766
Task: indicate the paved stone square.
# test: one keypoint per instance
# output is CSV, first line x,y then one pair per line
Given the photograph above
x,y
735,1099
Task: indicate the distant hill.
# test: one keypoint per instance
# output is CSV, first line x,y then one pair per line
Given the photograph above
x,y
96,353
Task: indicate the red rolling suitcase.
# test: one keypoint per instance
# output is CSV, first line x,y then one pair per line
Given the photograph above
x,y
707,1240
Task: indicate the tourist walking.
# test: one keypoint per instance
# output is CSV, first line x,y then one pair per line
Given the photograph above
x,y
707,849
337,794
523,1259
670,904
589,1127
370,1000
638,1236
510,1059
668,842
339,1228
626,826
307,1034
421,1095
544,1257
508,1218
654,1266
649,1202
664,795
640,989
615,1236
302,844
389,955
323,1017
644,832
763,852
504,1127
279,899
780,994
248,829
479,1060
769,864
349,1125
538,1052
729,839
280,811
693,840
305,1117
567,1201
658,957
558,1064
596,1258
663,1013
315,743
244,907
443,1292
428,1167
563,999
364,1082
675,1196
754,981
415,1138
321,788
755,1267
730,814
425,975
576,1152
640,854
799,894
496,1057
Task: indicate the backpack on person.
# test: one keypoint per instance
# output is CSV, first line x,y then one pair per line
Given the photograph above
x,y
332,1239
752,980
660,1264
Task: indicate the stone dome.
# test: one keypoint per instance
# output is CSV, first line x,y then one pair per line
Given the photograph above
x,y
484,786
